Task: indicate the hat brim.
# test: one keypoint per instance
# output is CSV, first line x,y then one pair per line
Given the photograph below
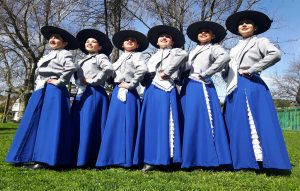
x,y
217,29
262,21
47,31
155,32
141,39
102,39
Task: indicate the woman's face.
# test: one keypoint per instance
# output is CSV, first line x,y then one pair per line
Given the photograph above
x,y
165,41
246,28
205,36
92,45
57,42
130,44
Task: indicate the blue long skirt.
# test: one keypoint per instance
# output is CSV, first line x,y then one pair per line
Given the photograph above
x,y
119,136
204,144
88,114
44,134
274,152
152,145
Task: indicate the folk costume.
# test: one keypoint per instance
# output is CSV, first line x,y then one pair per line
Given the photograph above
x,y
253,127
45,134
159,138
205,142
90,106
119,136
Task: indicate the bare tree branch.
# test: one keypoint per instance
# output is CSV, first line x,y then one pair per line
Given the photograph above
x,y
288,83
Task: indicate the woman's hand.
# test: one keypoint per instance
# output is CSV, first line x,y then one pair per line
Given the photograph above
x,y
87,81
244,73
201,77
204,79
163,76
124,85
52,81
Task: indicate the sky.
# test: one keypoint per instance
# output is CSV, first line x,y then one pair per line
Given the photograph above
x,y
285,30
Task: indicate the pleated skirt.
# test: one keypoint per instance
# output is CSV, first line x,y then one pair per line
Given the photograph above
x,y
153,139
205,141
88,115
45,134
119,136
252,94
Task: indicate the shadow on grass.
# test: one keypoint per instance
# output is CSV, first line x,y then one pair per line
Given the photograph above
x,y
173,168
221,168
268,172
276,172
29,167
8,129
131,168
169,168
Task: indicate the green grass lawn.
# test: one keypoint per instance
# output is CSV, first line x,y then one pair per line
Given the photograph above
x,y
19,178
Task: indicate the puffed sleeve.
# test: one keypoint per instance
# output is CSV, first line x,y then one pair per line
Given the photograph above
x,y
179,57
106,69
139,62
271,54
65,58
220,57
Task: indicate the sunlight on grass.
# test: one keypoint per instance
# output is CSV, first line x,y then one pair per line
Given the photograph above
x,y
19,178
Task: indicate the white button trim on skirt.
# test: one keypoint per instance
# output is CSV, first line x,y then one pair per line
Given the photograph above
x,y
254,136
208,108
171,133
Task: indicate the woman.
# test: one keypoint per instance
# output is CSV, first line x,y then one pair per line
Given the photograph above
x,y
90,107
119,136
205,142
45,135
160,128
256,139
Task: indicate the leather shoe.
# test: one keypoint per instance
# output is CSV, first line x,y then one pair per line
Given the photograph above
x,y
36,167
147,167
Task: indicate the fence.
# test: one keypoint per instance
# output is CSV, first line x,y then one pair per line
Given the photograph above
x,y
289,118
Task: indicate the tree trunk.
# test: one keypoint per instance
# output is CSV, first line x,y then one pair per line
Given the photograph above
x,y
6,108
298,96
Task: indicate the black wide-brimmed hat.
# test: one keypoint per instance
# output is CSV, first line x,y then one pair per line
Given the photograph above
x,y
47,31
217,29
262,21
141,39
102,39
176,35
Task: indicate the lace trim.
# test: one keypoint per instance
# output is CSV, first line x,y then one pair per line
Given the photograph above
x,y
254,136
171,133
208,109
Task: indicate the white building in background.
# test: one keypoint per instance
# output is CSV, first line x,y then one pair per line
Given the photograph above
x,y
16,110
